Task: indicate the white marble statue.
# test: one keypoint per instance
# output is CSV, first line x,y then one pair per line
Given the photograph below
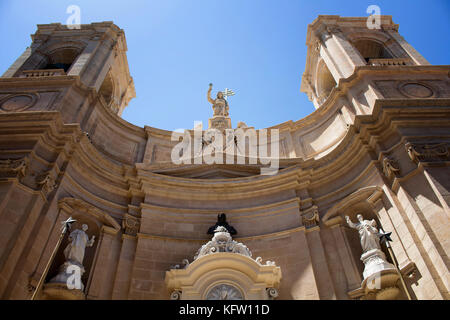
x,y
219,105
368,232
72,270
374,259
79,240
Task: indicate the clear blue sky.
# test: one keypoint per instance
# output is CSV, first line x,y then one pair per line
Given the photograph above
x,y
256,47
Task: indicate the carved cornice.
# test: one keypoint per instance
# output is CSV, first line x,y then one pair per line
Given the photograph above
x,y
367,194
77,206
272,235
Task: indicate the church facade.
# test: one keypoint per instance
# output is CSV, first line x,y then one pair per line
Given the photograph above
x,y
372,159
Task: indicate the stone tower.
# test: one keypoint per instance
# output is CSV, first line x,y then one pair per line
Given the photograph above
x,y
337,47
93,57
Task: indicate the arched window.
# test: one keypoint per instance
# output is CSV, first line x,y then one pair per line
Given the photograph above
x,y
107,89
370,49
325,82
61,59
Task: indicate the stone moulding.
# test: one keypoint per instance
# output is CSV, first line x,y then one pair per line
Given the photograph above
x,y
367,194
19,101
78,207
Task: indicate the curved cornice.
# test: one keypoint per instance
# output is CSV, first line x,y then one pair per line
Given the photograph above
x,y
367,194
72,204
218,189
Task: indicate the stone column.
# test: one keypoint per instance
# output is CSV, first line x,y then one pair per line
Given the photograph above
x,y
304,284
338,53
18,63
101,266
431,256
125,267
413,53
82,60
320,264
348,263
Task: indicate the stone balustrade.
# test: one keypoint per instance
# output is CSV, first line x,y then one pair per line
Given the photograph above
x,y
42,73
390,62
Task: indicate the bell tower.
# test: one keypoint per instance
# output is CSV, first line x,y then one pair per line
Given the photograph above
x,y
337,46
67,69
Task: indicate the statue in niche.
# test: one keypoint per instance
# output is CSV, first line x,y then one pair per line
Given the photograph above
x,y
74,253
79,240
222,222
368,232
219,105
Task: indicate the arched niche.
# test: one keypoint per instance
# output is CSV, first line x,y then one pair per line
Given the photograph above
x,y
358,202
240,273
362,197
98,222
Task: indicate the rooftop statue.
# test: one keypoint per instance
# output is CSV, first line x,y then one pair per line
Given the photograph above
x,y
220,104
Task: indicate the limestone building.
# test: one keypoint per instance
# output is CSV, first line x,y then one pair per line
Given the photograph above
x,y
377,145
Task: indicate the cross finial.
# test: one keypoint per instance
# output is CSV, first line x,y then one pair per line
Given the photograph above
x,y
228,92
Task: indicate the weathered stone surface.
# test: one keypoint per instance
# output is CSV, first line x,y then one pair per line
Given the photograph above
x,y
377,145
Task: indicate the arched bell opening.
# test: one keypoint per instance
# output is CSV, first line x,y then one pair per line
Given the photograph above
x,y
62,58
370,49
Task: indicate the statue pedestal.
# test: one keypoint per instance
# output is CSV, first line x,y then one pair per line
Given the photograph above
x,y
59,291
66,285
380,277
375,262
219,122
69,275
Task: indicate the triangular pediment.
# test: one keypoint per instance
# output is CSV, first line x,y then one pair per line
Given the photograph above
x,y
211,171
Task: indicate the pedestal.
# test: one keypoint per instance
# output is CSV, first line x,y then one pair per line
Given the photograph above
x,y
70,274
66,285
59,291
380,277
375,262
219,122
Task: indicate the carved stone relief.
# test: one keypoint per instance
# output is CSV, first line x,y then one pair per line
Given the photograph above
x,y
15,166
18,102
416,90
390,167
427,152
131,225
